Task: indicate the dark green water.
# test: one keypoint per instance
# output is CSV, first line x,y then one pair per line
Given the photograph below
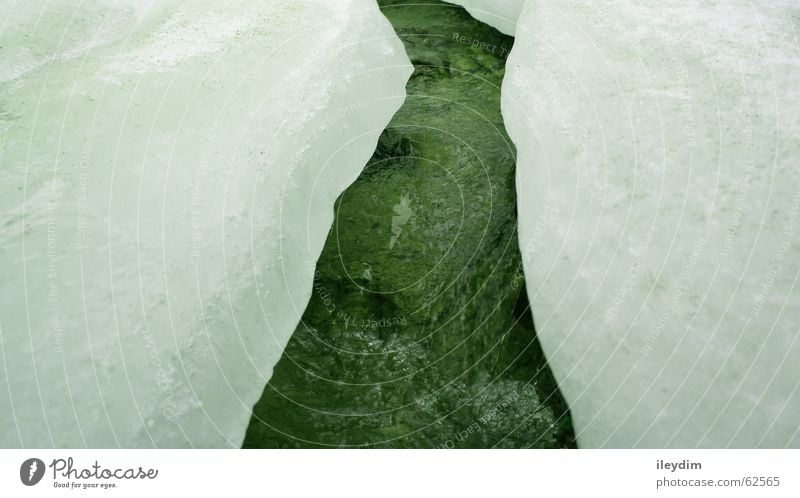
x,y
418,333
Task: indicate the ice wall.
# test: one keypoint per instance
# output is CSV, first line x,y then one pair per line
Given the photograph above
x,y
500,14
659,191
168,175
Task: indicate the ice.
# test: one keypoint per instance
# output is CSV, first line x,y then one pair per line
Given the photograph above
x,y
168,176
500,14
659,190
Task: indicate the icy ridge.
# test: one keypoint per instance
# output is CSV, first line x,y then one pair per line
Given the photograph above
x,y
658,202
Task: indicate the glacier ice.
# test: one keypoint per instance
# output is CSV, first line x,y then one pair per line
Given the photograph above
x,y
168,176
500,14
659,190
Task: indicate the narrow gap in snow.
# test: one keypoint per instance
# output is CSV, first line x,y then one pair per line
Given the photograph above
x,y
418,333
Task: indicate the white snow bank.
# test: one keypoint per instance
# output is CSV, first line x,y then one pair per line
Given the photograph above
x,y
168,175
500,14
659,191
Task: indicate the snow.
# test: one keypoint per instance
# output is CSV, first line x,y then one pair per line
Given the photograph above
x,y
169,172
500,14
659,193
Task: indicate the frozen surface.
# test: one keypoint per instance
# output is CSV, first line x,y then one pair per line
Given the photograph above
x,y
168,175
500,14
659,146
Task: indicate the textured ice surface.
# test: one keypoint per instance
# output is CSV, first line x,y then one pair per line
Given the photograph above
x,y
500,14
659,145
168,175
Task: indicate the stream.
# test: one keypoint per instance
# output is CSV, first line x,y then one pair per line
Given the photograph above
x,y
418,333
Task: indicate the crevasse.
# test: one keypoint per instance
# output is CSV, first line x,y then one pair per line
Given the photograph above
x,y
418,333
169,171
